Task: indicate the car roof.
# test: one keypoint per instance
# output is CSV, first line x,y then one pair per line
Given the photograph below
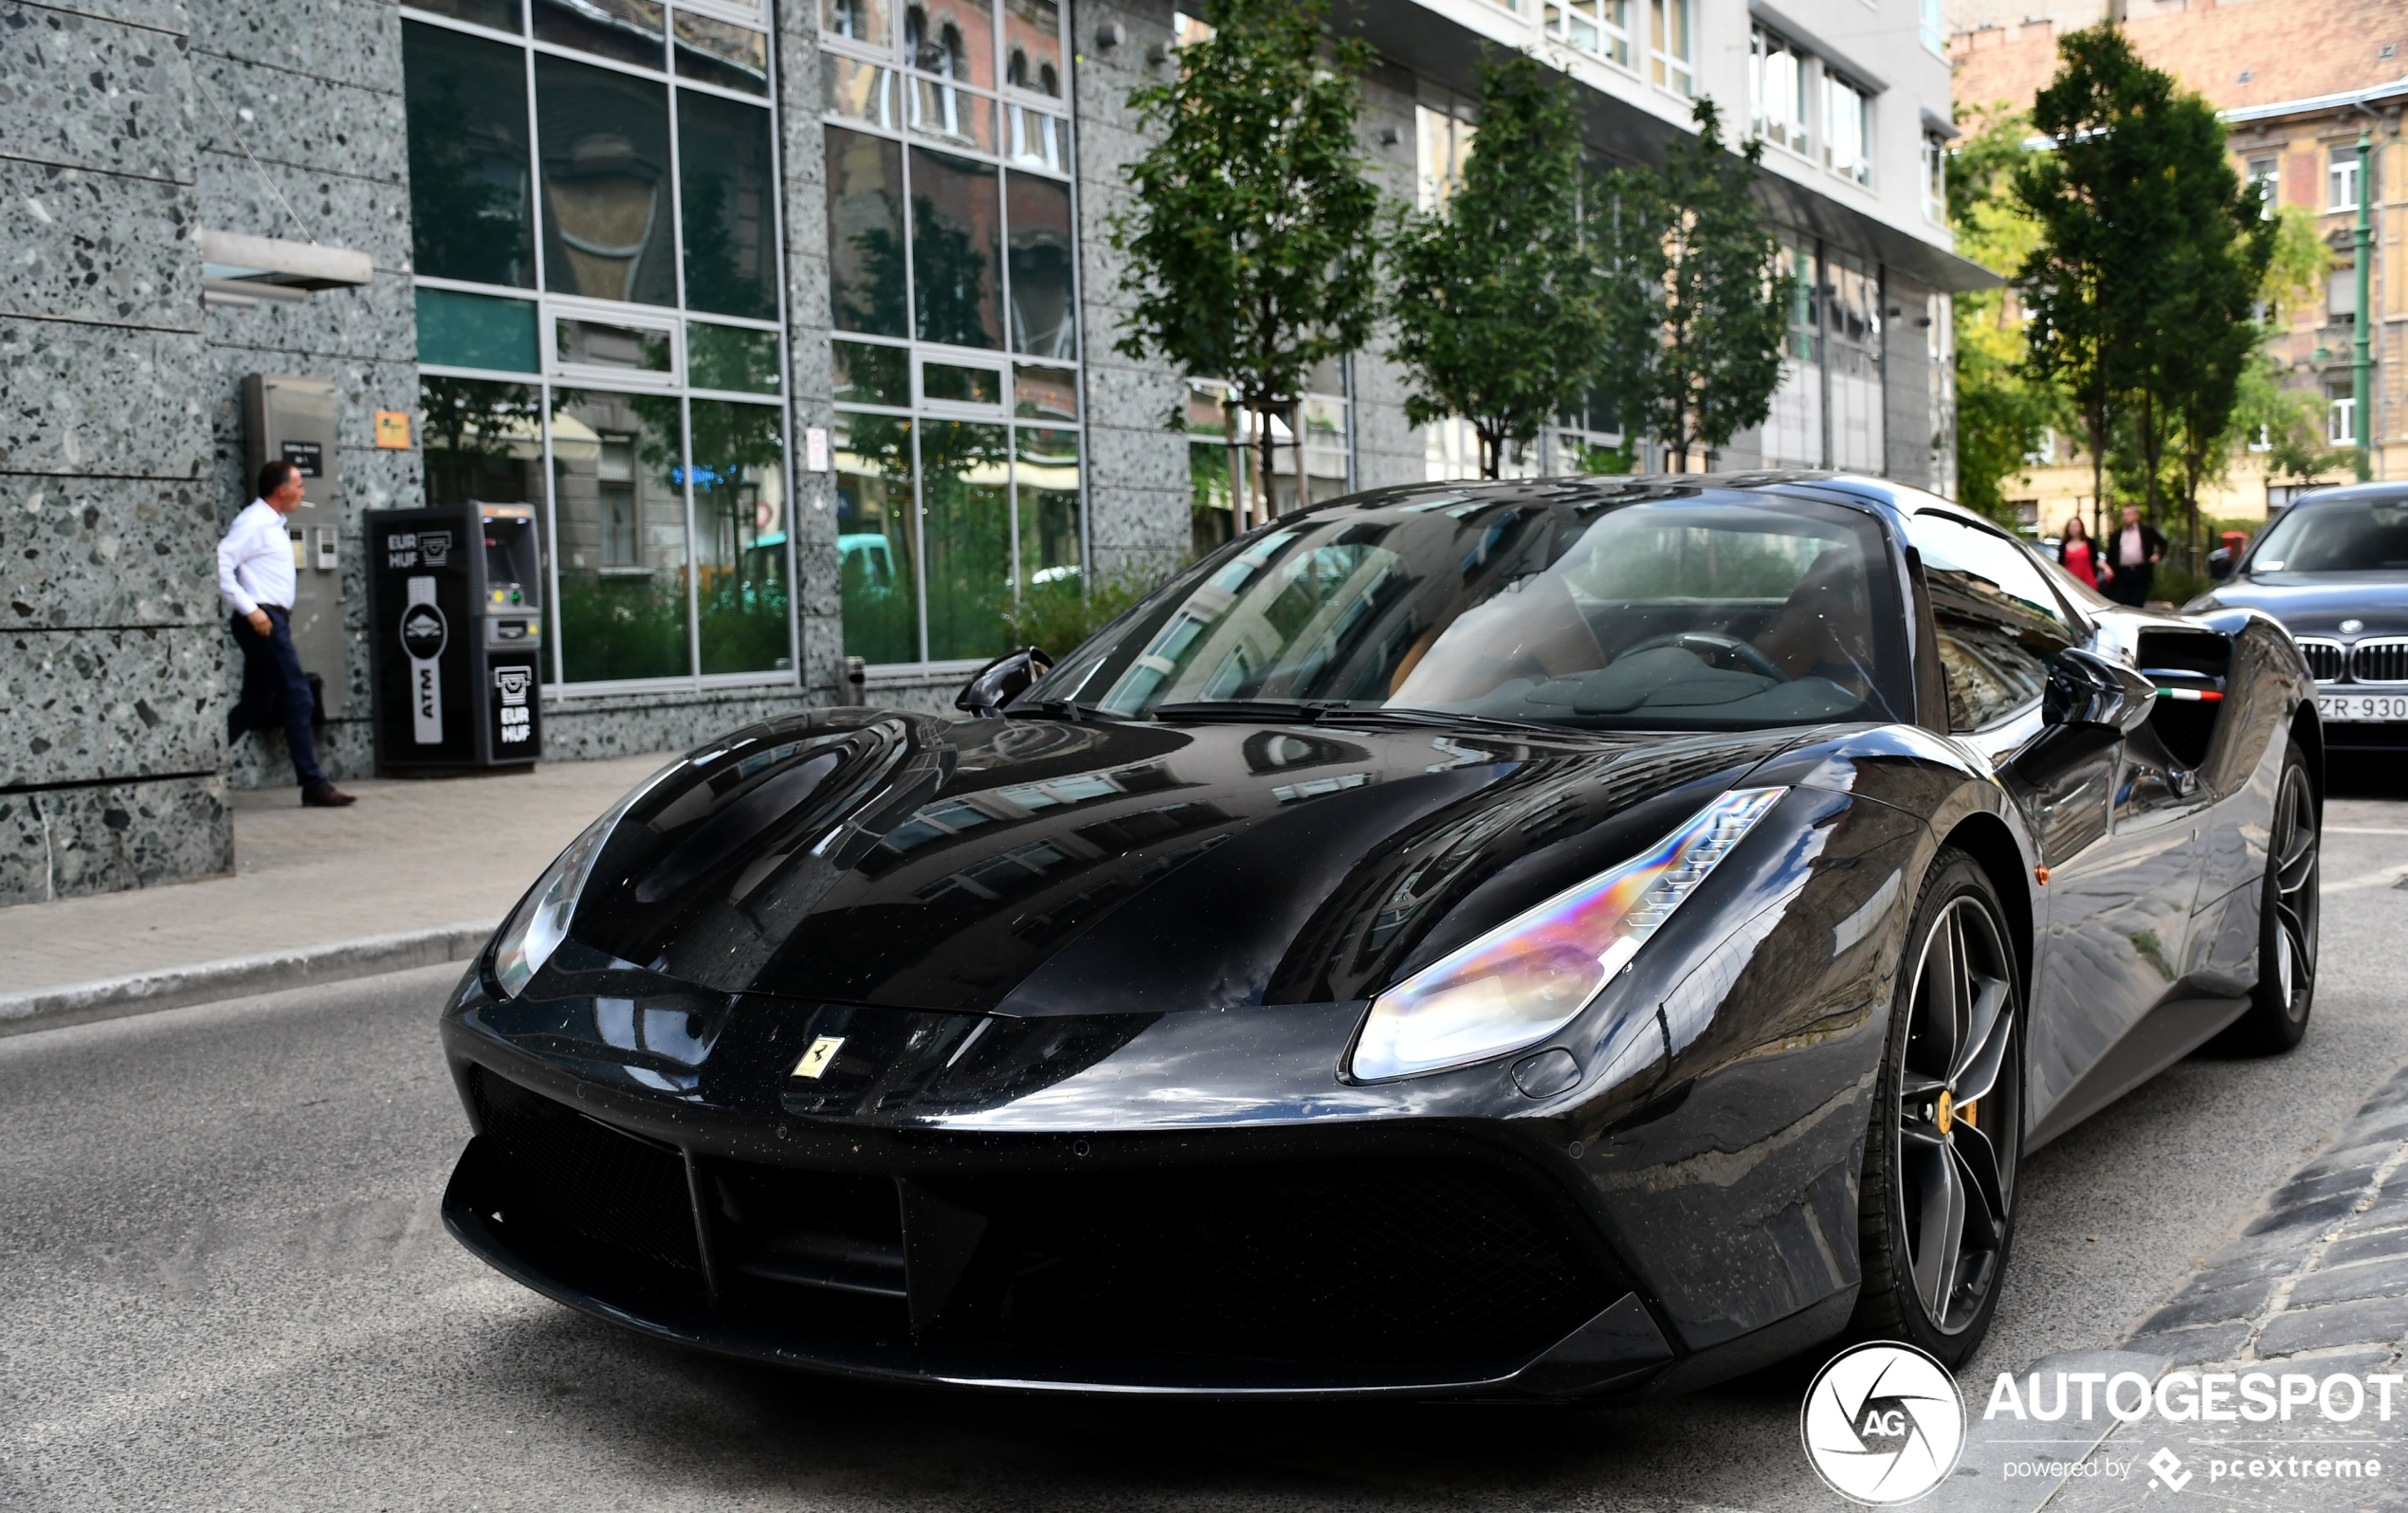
x,y
2350,493
1877,495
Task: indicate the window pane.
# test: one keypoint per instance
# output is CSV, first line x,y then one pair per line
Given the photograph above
x,y
1043,317
1033,46
866,279
729,357
875,539
466,100
1033,138
482,440
628,30
860,20
503,16
962,386
605,183
616,462
1044,394
954,39
600,344
867,374
740,536
1046,470
858,90
963,469
956,248
951,115
476,331
717,53
731,233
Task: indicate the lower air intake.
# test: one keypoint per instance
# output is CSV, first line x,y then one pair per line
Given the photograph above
x,y
556,1168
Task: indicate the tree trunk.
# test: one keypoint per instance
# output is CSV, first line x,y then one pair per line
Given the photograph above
x,y
1270,444
1296,442
1236,474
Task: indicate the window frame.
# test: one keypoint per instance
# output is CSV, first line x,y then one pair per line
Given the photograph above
x,y
2341,165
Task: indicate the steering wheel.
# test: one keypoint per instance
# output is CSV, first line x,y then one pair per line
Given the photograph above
x,y
1709,644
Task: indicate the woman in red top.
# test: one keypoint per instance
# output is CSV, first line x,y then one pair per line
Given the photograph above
x,y
2080,557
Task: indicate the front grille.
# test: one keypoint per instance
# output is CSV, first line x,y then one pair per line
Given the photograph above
x,y
1364,1264
2384,661
559,1171
2324,658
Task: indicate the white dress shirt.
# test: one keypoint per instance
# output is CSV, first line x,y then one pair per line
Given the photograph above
x,y
255,561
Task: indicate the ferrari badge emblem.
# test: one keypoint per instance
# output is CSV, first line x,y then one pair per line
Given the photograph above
x,y
822,1051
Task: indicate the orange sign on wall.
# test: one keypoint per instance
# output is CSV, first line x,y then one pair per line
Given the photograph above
x,y
393,428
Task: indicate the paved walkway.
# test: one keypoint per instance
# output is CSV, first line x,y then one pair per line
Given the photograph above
x,y
410,855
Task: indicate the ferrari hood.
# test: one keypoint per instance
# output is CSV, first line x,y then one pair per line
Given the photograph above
x,y
1045,867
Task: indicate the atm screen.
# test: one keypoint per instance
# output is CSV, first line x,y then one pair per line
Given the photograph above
x,y
510,561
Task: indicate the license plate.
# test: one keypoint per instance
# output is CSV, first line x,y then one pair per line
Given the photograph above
x,y
2356,706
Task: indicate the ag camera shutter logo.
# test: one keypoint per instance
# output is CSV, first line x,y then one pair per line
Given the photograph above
x,y
1883,1424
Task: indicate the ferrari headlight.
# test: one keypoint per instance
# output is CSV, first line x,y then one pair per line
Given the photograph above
x,y
540,922
1528,977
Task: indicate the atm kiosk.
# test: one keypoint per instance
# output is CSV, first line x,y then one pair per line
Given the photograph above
x,y
457,604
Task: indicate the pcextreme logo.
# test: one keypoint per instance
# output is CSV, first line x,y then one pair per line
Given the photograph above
x,y
1883,1424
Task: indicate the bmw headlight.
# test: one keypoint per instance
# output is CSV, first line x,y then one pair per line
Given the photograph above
x,y
1528,977
540,922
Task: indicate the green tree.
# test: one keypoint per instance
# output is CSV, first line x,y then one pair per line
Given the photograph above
x,y
1498,309
1696,306
1252,243
2002,415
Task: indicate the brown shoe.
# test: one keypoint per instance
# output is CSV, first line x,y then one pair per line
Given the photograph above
x,y
325,796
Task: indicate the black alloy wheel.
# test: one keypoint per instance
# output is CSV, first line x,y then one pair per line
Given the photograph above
x,y
2276,1018
1946,1136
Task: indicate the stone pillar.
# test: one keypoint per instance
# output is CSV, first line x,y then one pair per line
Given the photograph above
x,y
113,660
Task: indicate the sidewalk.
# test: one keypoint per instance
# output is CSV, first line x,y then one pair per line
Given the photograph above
x,y
425,866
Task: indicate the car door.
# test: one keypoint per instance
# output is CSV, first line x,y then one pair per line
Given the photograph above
x,y
2115,828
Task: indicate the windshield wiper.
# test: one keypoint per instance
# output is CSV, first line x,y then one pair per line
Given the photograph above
x,y
1278,711
1336,711
1408,715
1061,709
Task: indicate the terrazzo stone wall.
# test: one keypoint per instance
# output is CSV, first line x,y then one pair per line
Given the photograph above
x,y
812,524
1387,450
112,656
299,134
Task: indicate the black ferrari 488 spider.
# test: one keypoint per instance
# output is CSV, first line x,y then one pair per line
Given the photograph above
x,y
1567,937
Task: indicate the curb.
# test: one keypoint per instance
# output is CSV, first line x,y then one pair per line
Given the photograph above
x,y
211,981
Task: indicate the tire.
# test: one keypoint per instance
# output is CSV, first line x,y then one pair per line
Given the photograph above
x,y
1936,1218
2276,1018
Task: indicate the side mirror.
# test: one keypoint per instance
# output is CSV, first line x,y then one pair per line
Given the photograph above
x,y
2219,563
1001,680
2088,690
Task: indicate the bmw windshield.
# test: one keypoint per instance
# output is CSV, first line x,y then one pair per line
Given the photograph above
x,y
2347,535
1691,612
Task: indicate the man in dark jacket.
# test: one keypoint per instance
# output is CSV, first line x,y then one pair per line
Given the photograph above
x,y
2134,550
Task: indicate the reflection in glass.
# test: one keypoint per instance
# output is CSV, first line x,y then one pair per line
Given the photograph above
x,y
601,344
960,385
718,53
860,20
951,115
628,30
965,470
503,16
1034,138
1044,394
865,276
731,358
871,374
952,39
466,104
1043,317
482,440
856,90
957,249
875,558
1033,46
616,465
740,536
1047,474
459,330
605,139
725,186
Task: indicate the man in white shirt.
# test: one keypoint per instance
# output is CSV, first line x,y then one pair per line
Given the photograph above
x,y
255,579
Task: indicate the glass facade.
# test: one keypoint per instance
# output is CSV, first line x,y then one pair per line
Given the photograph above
x,y
952,292
595,226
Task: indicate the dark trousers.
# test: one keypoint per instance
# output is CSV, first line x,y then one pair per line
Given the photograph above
x,y
2132,584
274,688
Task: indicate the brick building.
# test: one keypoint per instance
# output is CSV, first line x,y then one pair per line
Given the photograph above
x,y
2296,82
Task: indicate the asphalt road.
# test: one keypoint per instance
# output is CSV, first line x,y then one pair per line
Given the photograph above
x,y
224,1283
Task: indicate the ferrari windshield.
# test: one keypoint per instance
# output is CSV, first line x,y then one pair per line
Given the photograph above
x,y
2351,535
1688,611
